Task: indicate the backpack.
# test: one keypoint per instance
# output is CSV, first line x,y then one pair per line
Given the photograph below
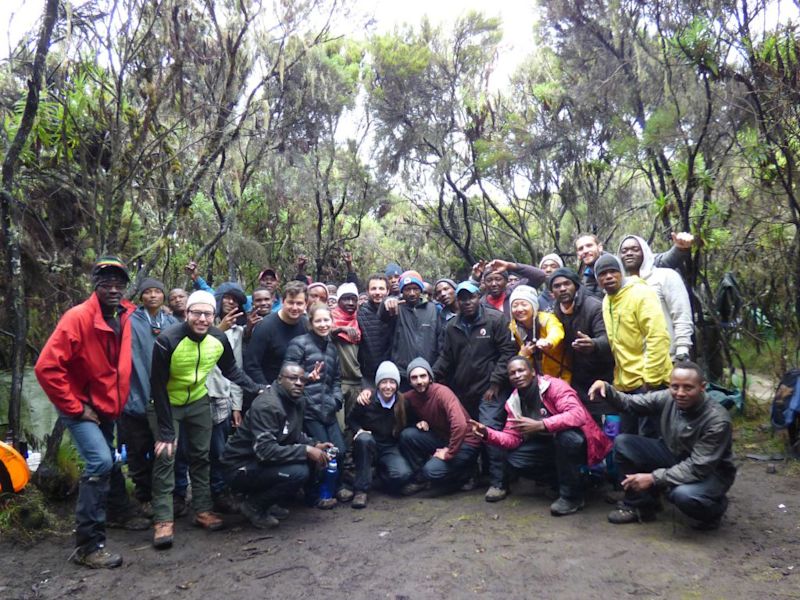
x,y
785,411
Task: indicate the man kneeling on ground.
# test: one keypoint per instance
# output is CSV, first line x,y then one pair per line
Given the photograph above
x,y
549,434
693,461
269,458
441,448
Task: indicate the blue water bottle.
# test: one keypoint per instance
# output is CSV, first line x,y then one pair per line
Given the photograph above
x,y
611,427
328,488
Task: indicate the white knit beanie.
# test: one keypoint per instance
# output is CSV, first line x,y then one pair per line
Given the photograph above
x,y
554,257
201,297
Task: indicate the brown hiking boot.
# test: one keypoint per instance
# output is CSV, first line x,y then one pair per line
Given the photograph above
x,y
99,558
208,520
360,500
162,534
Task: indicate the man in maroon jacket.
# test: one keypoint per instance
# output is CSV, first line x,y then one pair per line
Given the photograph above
x,y
85,370
441,448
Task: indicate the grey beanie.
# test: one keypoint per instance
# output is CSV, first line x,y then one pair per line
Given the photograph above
x,y
387,370
607,262
419,362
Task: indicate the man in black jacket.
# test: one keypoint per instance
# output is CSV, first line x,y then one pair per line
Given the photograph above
x,y
586,348
376,335
692,462
417,326
269,457
477,347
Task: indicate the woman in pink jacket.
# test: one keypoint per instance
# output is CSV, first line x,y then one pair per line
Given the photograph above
x,y
549,434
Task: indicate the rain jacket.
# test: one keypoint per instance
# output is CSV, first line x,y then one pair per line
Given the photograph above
x,y
673,296
638,336
85,362
142,340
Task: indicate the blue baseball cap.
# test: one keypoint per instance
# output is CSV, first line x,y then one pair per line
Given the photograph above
x,y
468,286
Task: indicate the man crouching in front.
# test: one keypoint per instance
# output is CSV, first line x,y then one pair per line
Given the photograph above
x,y
267,458
692,462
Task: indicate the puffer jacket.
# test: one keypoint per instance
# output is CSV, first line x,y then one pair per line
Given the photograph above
x,y
566,412
323,397
376,340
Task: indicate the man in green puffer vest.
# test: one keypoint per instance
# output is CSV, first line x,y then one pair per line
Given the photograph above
x,y
183,357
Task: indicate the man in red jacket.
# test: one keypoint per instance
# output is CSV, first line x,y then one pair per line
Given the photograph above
x,y
85,370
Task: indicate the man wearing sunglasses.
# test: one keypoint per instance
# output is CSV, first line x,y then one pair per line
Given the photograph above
x,y
183,357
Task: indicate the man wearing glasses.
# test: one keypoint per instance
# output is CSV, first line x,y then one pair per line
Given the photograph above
x,y
183,357
85,370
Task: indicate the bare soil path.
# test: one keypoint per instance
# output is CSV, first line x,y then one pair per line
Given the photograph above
x,y
454,547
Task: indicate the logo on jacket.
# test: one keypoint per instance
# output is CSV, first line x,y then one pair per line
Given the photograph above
x,y
482,332
286,428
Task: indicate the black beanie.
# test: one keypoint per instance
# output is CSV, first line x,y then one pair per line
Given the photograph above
x,y
148,283
566,273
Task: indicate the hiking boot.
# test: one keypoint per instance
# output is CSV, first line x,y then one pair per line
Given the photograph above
x,y
278,512
128,521
344,495
495,494
208,520
179,506
630,514
257,518
327,503
225,503
412,488
99,558
360,500
565,506
162,534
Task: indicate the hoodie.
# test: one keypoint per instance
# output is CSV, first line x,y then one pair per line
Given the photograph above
x,y
672,294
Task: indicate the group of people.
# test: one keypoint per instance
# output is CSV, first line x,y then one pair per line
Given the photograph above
x,y
517,371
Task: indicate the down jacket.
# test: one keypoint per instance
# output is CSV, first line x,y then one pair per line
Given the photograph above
x,y
323,397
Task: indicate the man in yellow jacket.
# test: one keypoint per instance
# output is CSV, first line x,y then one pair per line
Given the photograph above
x,y
637,333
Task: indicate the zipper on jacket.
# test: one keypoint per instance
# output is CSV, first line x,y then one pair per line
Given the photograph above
x,y
196,370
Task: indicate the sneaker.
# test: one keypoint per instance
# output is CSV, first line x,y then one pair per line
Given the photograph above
x,y
630,514
225,503
162,534
327,503
412,488
565,506
128,521
469,485
208,520
257,518
360,500
99,558
495,494
179,506
344,495
278,512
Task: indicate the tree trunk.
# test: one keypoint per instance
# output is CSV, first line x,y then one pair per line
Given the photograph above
x,y
11,215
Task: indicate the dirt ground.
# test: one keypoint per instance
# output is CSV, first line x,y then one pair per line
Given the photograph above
x,y
453,547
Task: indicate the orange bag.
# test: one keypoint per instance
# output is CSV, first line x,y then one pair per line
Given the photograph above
x,y
14,471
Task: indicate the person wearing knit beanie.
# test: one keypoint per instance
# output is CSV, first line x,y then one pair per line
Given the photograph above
x,y
550,262
564,272
148,283
387,370
525,292
107,267
201,297
607,262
